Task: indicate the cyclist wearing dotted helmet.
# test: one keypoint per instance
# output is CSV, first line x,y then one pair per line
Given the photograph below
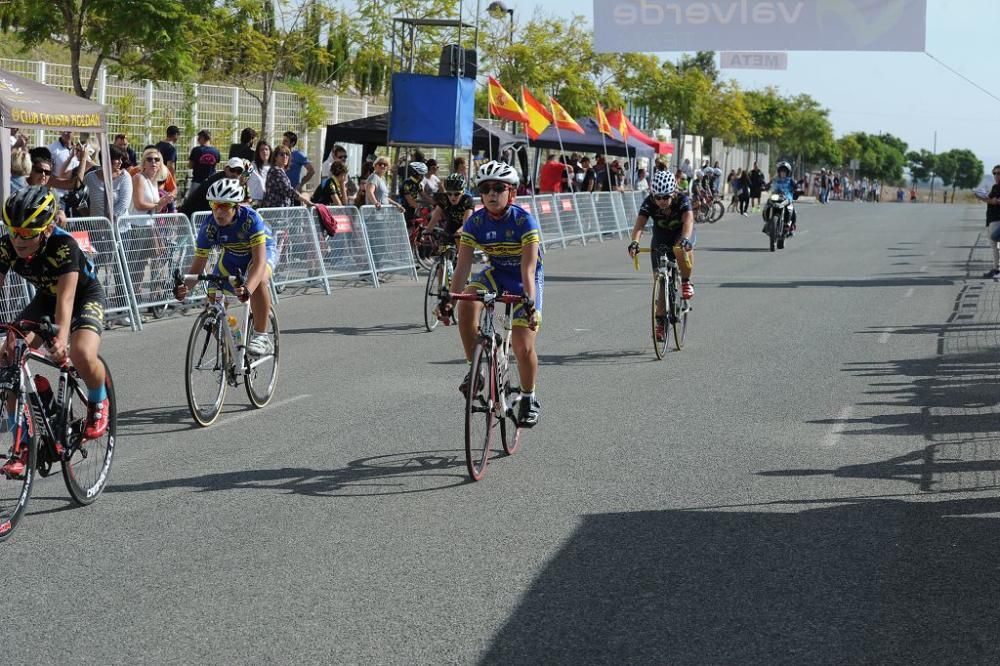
x,y
511,238
246,246
673,229
66,290
452,206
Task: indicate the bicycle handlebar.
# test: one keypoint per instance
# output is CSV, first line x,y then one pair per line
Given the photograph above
x,y
489,296
46,328
635,257
180,278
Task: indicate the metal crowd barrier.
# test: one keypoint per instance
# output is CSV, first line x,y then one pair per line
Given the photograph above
x,y
348,253
300,258
389,240
103,245
168,246
631,203
590,225
544,210
14,297
608,217
569,218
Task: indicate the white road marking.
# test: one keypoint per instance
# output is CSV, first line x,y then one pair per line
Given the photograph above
x,y
581,330
884,338
909,292
837,429
253,412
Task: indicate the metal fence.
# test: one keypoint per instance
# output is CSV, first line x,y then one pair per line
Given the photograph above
x,y
389,240
299,257
589,224
569,218
545,212
101,243
348,253
608,219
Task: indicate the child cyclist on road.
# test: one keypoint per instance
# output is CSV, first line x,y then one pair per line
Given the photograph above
x,y
511,238
66,290
246,245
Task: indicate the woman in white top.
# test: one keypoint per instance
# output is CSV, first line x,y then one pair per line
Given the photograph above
x,y
256,185
140,236
102,238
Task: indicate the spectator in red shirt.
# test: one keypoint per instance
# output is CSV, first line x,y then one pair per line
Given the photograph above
x,y
551,175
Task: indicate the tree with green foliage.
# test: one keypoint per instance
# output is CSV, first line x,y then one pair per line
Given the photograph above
x,y
140,39
882,157
921,164
959,168
808,135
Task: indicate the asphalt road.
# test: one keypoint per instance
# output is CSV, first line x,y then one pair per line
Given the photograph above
x,y
812,480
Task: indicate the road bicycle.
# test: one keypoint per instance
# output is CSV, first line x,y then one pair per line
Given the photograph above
x,y
667,295
488,401
217,356
48,429
439,277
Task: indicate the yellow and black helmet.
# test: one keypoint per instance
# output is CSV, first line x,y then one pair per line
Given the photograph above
x,y
32,207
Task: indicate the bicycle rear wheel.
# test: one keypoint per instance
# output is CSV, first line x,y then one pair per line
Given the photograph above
x,y
206,366
15,492
679,312
480,402
718,210
659,345
510,433
435,282
262,371
87,469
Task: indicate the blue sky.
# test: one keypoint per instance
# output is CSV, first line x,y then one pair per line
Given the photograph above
x,y
907,94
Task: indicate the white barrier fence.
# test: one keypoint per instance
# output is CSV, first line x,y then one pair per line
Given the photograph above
x,y
136,260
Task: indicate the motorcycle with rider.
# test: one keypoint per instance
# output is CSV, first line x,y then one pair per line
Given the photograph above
x,y
779,212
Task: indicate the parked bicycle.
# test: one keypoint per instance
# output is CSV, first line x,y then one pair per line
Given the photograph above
x,y
439,276
48,428
667,299
217,356
489,404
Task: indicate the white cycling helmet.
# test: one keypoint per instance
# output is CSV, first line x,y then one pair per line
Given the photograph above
x,y
699,173
662,183
227,190
784,165
497,171
418,168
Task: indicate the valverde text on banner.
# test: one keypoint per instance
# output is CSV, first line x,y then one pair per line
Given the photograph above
x,y
759,25
753,60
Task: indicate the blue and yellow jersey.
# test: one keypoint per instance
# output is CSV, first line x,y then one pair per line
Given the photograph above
x,y
238,239
503,240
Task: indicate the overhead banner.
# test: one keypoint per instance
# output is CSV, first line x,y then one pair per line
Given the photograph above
x,y
753,60
622,26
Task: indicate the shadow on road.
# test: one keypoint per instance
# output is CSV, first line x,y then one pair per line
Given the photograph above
x,y
159,420
733,249
586,278
597,357
870,581
392,474
376,330
914,281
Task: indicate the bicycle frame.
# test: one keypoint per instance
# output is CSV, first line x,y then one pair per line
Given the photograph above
x,y
487,333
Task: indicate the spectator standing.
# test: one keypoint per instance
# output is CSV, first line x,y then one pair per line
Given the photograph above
x,y
121,186
297,162
203,158
756,187
61,153
431,184
913,194
376,187
602,184
168,148
278,190
733,180
743,183
257,183
993,222
550,176
20,168
121,140
589,182
244,149
339,154
197,201
641,181
332,191
140,238
616,177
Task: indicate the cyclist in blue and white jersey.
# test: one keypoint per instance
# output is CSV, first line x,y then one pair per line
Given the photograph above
x,y
246,245
511,238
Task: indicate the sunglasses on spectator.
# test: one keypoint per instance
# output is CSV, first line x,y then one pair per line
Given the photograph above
x,y
25,234
380,164
44,172
152,159
221,204
495,188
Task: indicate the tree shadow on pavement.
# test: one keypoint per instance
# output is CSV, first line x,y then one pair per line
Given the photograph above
x,y
597,357
375,330
587,278
732,249
391,474
879,581
914,281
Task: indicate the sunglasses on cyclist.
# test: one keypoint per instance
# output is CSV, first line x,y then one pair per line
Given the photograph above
x,y
662,197
454,194
221,204
495,188
26,234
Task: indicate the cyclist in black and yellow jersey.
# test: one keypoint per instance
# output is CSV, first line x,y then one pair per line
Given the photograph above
x,y
66,290
451,207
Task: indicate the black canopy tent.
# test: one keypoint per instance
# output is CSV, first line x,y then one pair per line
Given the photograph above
x,y
373,132
592,142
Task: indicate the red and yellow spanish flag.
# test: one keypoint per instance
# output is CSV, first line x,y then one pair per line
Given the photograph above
x,y
502,105
563,120
538,116
602,122
622,125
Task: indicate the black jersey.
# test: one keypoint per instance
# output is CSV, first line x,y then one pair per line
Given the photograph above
x,y
59,254
454,214
667,223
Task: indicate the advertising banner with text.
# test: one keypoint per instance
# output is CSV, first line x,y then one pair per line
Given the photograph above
x,y
759,25
753,60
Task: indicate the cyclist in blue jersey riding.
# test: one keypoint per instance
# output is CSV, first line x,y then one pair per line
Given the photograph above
x,y
511,238
784,183
673,228
246,245
66,290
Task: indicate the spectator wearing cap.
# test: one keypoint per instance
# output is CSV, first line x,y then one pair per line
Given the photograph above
x,y
196,201
244,148
297,162
168,148
203,158
278,190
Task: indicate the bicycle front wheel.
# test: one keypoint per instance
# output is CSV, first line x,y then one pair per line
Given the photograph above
x,y
262,371
718,210
435,284
510,433
480,403
659,336
206,367
679,312
15,489
87,468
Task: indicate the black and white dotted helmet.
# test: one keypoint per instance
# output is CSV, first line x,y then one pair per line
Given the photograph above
x,y
663,183
497,171
227,190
